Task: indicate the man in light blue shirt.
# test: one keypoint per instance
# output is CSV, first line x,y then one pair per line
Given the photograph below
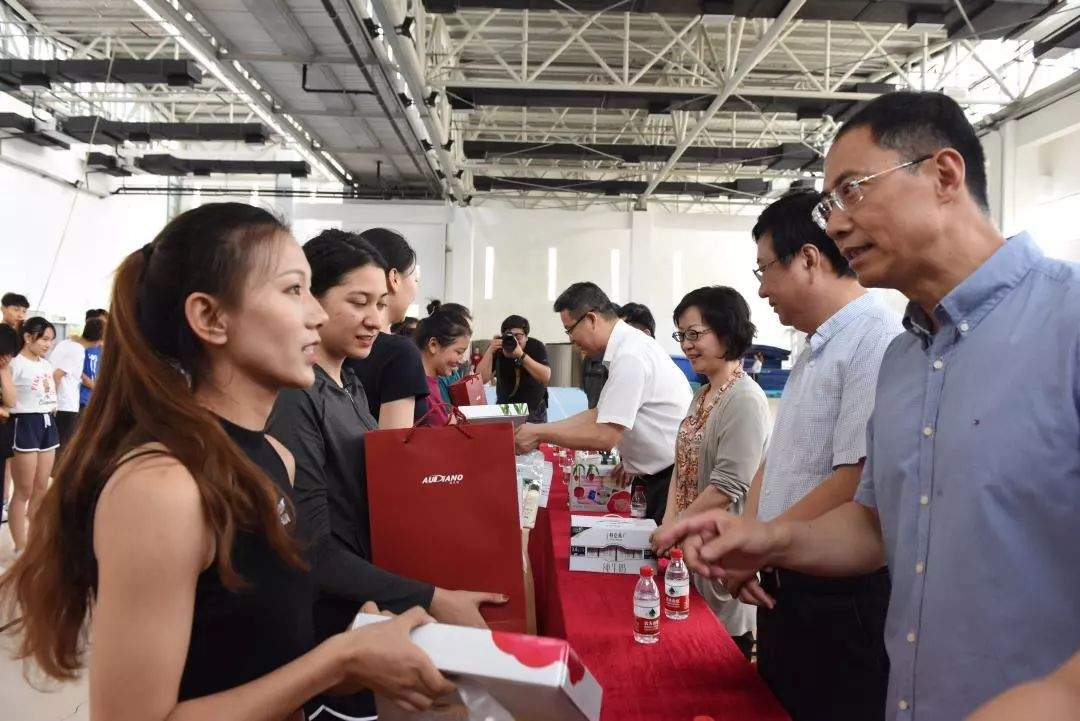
x,y
971,488
820,646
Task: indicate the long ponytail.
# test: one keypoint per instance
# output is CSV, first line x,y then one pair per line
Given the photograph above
x,y
150,362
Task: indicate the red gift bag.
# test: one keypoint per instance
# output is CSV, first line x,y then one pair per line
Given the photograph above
x,y
444,510
469,391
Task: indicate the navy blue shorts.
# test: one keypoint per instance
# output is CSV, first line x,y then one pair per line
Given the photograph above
x,y
35,432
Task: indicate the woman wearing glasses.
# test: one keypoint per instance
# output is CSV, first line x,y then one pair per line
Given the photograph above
x,y
721,441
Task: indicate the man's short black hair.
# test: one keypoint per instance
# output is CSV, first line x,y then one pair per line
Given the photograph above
x,y
580,298
918,123
789,224
725,311
97,313
515,321
10,341
638,314
94,330
15,299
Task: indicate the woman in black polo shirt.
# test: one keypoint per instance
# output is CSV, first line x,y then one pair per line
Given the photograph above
x,y
392,372
324,426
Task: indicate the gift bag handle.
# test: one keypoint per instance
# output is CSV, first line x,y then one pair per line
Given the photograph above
x,y
454,411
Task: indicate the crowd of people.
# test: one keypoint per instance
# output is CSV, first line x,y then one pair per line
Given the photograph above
x,y
901,543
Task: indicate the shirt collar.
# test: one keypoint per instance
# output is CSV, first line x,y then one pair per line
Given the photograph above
x,y
839,320
323,379
970,301
618,335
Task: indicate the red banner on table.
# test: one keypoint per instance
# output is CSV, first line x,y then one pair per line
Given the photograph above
x,y
469,391
444,510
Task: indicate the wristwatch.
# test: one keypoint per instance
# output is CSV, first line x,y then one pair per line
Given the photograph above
x,y
519,361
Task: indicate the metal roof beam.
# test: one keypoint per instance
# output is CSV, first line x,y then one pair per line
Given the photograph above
x,y
735,76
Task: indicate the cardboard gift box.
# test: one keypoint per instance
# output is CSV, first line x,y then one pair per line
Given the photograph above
x,y
516,413
596,497
532,678
469,391
610,544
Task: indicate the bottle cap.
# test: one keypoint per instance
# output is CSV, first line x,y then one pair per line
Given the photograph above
x,y
676,554
647,571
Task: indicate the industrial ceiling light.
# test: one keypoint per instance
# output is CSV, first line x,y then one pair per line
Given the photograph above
x,y
214,67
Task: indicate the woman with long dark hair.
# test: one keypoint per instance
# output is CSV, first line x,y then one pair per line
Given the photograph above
x,y
169,527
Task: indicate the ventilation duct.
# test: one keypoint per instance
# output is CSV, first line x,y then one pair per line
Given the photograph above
x,y
43,73
739,188
171,165
112,132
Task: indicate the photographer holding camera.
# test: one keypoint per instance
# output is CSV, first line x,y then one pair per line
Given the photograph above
x,y
520,366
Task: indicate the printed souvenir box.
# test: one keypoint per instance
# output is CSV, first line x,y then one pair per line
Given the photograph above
x,y
516,413
607,544
531,677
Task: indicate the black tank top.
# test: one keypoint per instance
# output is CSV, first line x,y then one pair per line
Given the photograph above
x,y
236,637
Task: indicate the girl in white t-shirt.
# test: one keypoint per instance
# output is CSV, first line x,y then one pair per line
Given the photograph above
x,y
36,437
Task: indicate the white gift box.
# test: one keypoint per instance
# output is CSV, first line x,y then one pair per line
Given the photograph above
x,y
516,413
532,678
611,544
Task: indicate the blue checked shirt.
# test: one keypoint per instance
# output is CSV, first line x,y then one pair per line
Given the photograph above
x,y
826,403
974,469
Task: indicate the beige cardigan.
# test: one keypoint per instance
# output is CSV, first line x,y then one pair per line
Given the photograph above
x,y
732,448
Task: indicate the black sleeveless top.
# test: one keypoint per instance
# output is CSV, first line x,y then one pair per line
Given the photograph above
x,y
236,637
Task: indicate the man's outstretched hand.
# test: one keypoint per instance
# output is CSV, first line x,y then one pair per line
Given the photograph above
x,y
732,549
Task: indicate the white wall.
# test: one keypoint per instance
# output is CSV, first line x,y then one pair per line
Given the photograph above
x,y
661,256
33,214
1034,176
423,224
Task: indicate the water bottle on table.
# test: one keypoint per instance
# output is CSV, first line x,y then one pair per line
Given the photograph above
x,y
638,502
677,586
646,608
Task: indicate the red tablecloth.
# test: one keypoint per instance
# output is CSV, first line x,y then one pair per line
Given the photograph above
x,y
695,669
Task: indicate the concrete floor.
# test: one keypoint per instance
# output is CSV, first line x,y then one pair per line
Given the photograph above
x,y
21,702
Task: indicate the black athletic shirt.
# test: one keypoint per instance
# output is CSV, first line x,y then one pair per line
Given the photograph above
x,y
392,371
237,637
513,384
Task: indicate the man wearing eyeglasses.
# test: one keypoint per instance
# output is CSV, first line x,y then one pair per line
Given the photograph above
x,y
971,489
643,402
820,644
521,370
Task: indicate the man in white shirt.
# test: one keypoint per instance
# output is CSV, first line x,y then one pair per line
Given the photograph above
x,y
68,358
641,406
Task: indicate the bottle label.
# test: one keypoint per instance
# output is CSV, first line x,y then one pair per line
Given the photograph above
x,y
678,596
647,619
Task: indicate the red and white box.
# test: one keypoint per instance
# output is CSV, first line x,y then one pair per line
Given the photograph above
x,y
611,544
529,677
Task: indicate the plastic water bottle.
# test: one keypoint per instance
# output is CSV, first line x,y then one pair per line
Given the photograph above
x,y
646,608
638,503
677,586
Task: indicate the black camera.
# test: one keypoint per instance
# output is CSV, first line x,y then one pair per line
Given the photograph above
x,y
509,343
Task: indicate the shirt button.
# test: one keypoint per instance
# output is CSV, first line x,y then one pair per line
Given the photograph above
x,y
928,431
920,567
924,500
911,638
903,704
964,327
939,364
